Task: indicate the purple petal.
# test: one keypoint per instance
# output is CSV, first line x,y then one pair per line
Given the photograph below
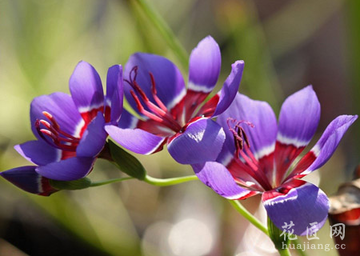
x,y
85,87
38,152
204,66
262,135
326,145
93,139
218,178
29,180
136,140
298,202
70,169
114,92
230,88
127,120
299,118
202,141
170,85
61,107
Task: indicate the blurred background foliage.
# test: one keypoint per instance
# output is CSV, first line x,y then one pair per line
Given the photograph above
x,y
285,44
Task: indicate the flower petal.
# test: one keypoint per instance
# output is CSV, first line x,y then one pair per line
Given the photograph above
x,y
85,87
230,87
262,135
200,142
204,66
114,92
136,140
29,180
298,202
38,152
325,147
61,107
298,120
218,178
170,84
70,169
93,139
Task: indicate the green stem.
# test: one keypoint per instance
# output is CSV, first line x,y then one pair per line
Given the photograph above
x,y
247,215
299,251
279,238
284,252
150,180
100,183
165,31
170,181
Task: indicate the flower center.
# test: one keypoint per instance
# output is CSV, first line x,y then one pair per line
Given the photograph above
x,y
157,112
58,138
243,155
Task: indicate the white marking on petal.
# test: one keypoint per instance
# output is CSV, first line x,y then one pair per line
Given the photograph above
x,y
227,159
316,150
40,188
237,196
108,102
285,197
133,122
264,151
177,99
291,141
89,108
155,148
200,88
78,128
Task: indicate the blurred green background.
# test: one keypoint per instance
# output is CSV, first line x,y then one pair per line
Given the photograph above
x,y
286,45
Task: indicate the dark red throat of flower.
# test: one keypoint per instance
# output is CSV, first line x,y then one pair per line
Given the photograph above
x,y
242,150
58,138
239,134
157,112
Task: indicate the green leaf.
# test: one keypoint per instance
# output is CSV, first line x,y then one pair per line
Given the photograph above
x,y
126,162
71,185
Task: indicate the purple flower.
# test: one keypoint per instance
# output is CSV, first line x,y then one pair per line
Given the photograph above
x,y
70,129
29,180
261,158
171,114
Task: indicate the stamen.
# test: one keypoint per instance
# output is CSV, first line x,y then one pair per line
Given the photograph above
x,y
59,139
159,113
242,150
154,93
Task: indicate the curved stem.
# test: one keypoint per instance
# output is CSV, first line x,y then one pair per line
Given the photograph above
x,y
169,181
247,215
105,182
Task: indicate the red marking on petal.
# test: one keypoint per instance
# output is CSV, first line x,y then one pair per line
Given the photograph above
x,y
107,114
284,156
209,107
192,101
266,164
283,189
67,154
303,164
47,189
250,194
91,114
